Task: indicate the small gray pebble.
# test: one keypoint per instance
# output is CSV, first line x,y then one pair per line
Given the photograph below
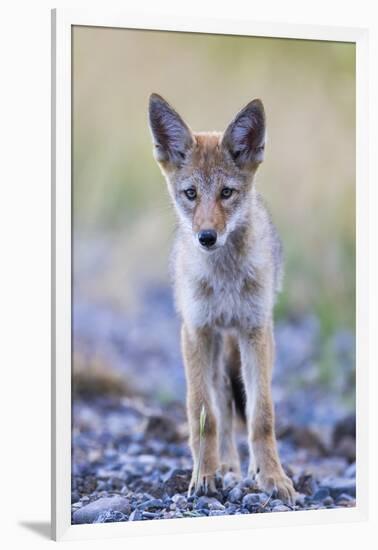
x,y
345,500
110,517
351,471
134,449
300,499
345,496
151,503
230,480
235,495
320,494
147,496
149,515
280,508
136,515
117,483
340,485
180,501
230,508
90,512
208,503
328,501
249,483
216,513
216,505
251,500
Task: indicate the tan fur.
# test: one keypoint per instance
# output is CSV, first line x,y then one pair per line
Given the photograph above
x,y
197,347
225,295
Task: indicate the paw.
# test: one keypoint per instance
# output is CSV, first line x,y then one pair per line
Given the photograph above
x,y
203,484
276,483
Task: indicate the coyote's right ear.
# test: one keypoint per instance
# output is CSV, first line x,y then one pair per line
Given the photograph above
x,y
245,136
171,136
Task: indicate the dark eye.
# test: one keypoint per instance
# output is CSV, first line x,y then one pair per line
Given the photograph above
x,y
226,192
191,193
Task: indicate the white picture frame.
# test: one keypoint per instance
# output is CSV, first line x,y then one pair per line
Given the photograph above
x,y
62,22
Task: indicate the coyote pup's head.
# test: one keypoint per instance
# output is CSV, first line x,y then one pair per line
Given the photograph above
x,y
209,174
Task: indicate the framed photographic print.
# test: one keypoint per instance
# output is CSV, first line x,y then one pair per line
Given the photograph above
x,y
209,274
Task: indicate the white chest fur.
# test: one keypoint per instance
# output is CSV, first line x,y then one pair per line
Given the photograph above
x,y
222,290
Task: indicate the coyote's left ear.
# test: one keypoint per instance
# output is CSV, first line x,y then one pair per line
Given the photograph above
x,y
171,136
245,136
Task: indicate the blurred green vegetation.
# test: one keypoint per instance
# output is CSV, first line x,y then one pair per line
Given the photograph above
x,y
308,178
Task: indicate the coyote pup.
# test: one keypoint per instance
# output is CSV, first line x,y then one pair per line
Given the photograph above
x,y
227,271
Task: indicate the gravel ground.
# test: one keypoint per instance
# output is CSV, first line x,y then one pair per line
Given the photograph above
x,y
131,463
131,460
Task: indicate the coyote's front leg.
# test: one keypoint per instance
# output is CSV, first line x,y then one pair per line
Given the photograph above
x,y
257,354
197,346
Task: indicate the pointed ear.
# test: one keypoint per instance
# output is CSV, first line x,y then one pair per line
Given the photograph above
x,y
172,138
245,136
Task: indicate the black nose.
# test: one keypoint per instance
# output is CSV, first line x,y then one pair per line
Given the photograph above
x,y
207,237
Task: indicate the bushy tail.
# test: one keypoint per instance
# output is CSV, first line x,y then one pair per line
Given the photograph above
x,y
238,393
233,366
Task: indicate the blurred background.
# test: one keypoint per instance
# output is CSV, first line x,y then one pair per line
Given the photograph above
x,y
126,335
